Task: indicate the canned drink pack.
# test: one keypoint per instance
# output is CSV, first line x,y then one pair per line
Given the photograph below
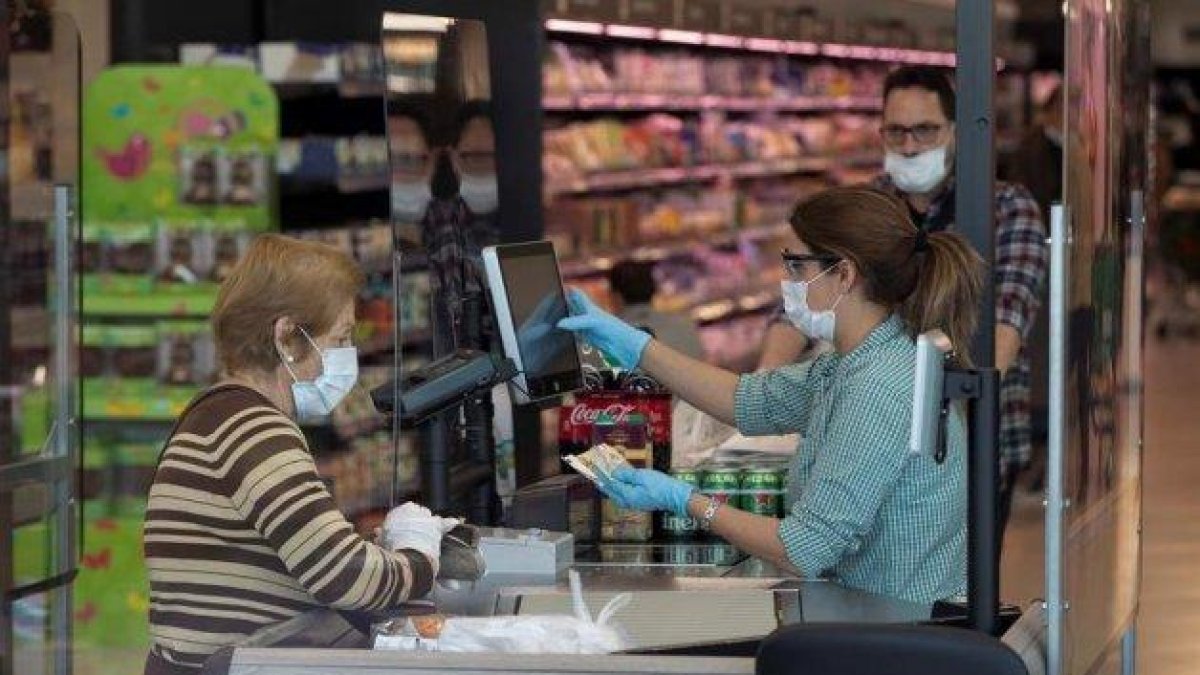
x,y
762,491
682,527
722,483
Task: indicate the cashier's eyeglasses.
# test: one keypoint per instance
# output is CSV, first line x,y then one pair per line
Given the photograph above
x,y
794,262
924,134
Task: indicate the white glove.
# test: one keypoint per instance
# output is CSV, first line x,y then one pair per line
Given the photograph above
x,y
414,527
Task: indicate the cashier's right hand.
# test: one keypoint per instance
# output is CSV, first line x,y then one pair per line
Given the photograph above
x,y
647,490
412,526
618,340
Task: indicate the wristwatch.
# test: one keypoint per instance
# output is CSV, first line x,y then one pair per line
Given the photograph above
x,y
710,512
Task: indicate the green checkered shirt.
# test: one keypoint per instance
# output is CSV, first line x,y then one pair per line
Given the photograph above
x,y
862,508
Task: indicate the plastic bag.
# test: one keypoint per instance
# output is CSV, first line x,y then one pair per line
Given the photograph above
x,y
694,434
552,634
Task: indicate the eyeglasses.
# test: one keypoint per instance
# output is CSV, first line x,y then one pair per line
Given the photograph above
x,y
925,134
794,262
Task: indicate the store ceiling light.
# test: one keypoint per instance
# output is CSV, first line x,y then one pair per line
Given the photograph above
x,y
579,27
415,22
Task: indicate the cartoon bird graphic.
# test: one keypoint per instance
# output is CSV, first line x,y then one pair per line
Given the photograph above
x,y
131,161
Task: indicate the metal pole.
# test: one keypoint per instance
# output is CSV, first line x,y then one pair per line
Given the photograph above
x,y
983,577
64,419
7,428
1056,442
975,166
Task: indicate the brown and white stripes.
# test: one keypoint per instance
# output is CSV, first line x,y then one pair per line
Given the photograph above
x,y
241,533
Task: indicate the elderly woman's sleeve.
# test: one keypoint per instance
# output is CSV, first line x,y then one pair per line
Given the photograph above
x,y
275,486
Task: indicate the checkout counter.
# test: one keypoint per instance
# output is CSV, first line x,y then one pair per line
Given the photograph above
x,y
697,607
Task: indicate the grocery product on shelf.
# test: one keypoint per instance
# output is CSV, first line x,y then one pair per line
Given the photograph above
x,y
671,72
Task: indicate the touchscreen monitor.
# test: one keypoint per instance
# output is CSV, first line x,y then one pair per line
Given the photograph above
x,y
528,295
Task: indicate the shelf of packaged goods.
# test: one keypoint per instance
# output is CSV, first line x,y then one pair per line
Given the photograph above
x,y
151,305
601,262
632,179
290,184
634,102
342,89
126,401
722,41
761,300
383,343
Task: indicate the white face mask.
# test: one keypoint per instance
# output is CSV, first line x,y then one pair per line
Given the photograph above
x,y
816,325
918,174
315,400
480,192
409,200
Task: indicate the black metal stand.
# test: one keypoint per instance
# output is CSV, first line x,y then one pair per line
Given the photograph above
x,y
980,389
478,413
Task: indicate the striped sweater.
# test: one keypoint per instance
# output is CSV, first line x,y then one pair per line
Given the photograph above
x,y
241,534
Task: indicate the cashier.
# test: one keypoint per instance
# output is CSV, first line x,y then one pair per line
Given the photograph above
x,y
241,533
861,508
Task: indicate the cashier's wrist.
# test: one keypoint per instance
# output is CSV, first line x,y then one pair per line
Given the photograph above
x,y
703,508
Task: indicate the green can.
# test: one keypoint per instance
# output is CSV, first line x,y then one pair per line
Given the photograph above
x,y
722,483
761,491
682,527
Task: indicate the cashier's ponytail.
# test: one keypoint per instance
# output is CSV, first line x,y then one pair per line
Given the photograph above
x,y
932,280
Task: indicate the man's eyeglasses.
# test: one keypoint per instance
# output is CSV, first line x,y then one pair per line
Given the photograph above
x,y
925,134
794,262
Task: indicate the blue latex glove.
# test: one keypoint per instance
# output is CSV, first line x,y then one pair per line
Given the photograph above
x,y
618,340
647,490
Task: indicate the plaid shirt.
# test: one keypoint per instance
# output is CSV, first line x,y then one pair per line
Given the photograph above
x,y
862,508
1022,261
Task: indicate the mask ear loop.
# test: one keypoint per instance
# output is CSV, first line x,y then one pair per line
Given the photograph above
x,y
841,296
285,359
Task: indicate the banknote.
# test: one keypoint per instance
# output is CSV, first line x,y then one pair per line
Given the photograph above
x,y
598,463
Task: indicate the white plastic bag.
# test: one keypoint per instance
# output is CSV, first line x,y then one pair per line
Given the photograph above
x,y
553,634
694,434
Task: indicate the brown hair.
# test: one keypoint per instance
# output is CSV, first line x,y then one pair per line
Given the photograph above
x,y
308,282
933,281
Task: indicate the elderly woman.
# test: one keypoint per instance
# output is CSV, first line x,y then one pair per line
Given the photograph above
x,y
240,531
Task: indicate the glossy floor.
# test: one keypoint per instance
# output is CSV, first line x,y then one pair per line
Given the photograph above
x,y
1170,603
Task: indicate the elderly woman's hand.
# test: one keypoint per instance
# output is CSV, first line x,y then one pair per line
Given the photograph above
x,y
414,527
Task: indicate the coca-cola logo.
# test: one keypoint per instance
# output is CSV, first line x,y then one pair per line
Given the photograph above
x,y
582,414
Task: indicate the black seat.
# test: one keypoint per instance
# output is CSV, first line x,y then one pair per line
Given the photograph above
x,y
857,649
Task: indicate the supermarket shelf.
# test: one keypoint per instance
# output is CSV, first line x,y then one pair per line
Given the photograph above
x,y
349,184
149,305
599,263
347,89
722,310
647,102
383,344
750,44
608,181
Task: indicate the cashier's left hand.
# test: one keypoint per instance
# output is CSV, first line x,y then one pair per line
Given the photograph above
x,y
647,490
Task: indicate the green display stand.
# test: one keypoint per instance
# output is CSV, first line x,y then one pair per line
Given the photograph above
x,y
178,175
